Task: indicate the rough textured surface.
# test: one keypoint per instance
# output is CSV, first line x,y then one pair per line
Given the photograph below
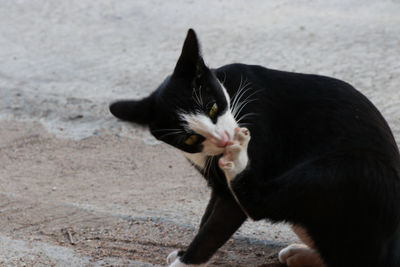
x,y
105,199
124,198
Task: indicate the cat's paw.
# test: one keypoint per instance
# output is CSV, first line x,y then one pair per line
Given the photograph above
x,y
235,158
300,255
173,260
172,256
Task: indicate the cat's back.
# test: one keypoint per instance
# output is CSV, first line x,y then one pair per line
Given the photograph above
x,y
296,85
305,114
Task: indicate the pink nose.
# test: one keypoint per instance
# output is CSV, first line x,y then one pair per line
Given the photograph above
x,y
223,141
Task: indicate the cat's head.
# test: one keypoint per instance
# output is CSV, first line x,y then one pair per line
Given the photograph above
x,y
190,110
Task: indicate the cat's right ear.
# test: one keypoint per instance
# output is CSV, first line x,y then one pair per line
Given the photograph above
x,y
190,62
137,111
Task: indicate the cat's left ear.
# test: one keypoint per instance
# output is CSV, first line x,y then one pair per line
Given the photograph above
x,y
190,63
138,111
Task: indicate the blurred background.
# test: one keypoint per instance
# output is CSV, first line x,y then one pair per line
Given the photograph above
x,y
79,187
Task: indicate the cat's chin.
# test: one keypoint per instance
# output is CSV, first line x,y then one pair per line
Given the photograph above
x,y
210,149
200,159
214,153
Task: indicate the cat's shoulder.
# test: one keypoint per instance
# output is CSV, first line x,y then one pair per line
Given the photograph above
x,y
241,69
258,73
258,70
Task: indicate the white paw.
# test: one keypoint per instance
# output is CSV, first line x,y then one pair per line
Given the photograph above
x,y
235,158
178,263
174,261
172,256
300,255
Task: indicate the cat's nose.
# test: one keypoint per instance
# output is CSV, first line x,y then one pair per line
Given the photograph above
x,y
223,140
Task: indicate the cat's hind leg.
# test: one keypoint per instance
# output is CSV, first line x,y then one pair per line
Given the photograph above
x,y
301,254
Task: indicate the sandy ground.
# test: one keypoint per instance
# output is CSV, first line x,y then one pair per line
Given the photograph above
x,y
79,188
103,200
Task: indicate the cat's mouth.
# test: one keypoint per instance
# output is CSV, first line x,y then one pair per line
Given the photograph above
x,y
215,144
220,140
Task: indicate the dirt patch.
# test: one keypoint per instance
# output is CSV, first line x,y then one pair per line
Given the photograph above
x,y
108,203
100,235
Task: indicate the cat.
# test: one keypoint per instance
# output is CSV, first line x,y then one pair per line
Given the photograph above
x,y
304,149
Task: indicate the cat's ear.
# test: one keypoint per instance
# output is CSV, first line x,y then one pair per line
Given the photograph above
x,y
190,63
138,111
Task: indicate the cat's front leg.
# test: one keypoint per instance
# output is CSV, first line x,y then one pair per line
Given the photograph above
x,y
235,159
209,210
224,219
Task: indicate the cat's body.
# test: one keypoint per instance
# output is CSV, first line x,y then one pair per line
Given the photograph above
x,y
321,157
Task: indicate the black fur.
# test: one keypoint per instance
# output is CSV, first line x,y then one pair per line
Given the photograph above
x,y
321,156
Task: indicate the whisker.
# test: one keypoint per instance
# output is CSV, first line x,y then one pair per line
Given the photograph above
x,y
245,116
196,97
168,134
210,164
242,104
167,130
200,97
243,89
204,170
172,132
234,97
245,124
214,165
207,166
239,101
224,78
235,110
180,138
191,163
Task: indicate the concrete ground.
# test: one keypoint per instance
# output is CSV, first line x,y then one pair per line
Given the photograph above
x,y
78,187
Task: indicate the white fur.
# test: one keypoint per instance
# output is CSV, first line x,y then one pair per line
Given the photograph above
x,y
227,123
300,255
201,124
228,99
172,256
238,162
178,263
174,261
289,251
235,158
198,159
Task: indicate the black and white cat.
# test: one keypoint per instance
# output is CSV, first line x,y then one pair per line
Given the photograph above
x,y
320,157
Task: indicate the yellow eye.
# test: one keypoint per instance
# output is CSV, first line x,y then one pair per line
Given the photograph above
x,y
192,140
213,110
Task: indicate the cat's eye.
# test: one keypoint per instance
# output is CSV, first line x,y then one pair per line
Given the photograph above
x,y
191,140
213,110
